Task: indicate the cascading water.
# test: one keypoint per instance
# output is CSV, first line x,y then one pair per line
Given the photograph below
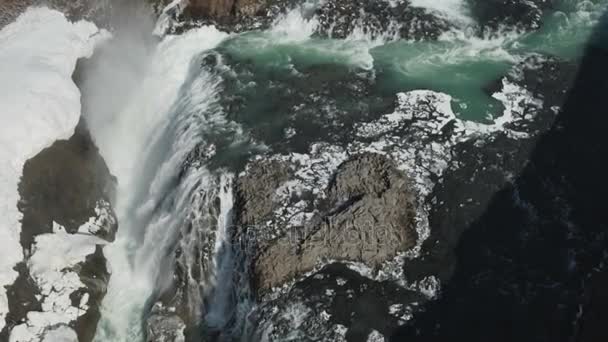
x,y
162,194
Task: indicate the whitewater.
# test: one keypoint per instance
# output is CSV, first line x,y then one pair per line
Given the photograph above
x,y
156,118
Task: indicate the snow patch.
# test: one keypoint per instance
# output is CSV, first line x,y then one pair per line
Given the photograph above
x,y
456,11
52,266
61,334
40,104
375,336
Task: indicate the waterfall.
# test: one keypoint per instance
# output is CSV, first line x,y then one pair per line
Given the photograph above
x,y
155,144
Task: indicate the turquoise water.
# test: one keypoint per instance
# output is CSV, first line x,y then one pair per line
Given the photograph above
x,y
460,63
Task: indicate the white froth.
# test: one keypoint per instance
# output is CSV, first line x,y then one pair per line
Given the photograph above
x,y
375,336
453,10
293,27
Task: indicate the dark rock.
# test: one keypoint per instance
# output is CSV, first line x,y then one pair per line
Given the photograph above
x,y
594,312
339,18
11,9
95,276
529,264
163,325
335,297
254,191
97,11
66,183
486,166
369,219
228,15
21,300
493,15
70,184
179,308
220,10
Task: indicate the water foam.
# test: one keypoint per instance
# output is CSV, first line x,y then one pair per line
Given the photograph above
x,y
456,11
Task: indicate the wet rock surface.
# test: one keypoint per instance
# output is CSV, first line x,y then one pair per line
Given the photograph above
x,y
335,304
340,18
255,191
336,18
178,312
164,325
226,11
95,276
97,11
228,15
511,14
487,165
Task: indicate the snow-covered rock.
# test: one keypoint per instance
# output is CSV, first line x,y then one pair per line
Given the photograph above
x,y
40,104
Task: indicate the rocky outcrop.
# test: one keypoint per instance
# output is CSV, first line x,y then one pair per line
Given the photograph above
x,y
223,10
487,165
532,255
335,18
164,325
66,191
510,14
97,11
67,183
255,191
330,190
95,276
229,15
11,9
340,18
368,217
336,303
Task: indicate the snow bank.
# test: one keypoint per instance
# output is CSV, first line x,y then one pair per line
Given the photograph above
x,y
40,104
52,266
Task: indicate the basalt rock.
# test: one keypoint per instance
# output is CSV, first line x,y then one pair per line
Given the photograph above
x,y
340,18
336,18
534,221
66,186
368,218
95,276
67,183
335,303
487,165
510,14
255,190
228,15
163,325
97,11
464,170
223,10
